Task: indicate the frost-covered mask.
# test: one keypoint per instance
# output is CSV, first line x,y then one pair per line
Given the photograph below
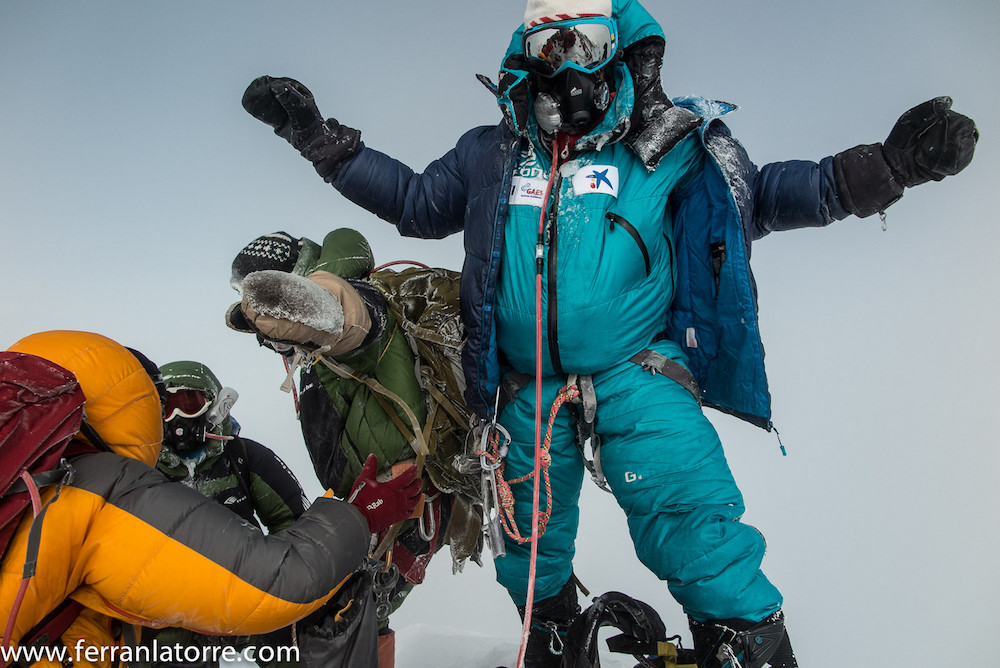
x,y
571,64
185,419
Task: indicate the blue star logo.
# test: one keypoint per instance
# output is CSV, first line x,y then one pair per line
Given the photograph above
x,y
600,177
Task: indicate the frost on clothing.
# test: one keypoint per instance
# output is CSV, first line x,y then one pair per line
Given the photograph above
x,y
285,296
609,260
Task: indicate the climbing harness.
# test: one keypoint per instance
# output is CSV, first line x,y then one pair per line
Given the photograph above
x,y
585,421
655,363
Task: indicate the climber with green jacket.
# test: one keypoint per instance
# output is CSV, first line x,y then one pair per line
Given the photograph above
x,y
379,359
203,449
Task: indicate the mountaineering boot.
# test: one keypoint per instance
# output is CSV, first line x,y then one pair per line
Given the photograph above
x,y
550,619
739,643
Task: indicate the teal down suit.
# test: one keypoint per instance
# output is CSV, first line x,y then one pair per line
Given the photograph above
x,y
650,250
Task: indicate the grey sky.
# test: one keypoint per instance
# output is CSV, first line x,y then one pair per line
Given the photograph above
x,y
130,176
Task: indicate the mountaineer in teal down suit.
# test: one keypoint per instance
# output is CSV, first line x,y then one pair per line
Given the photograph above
x,y
649,210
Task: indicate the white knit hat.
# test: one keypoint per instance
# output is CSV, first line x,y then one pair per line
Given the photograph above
x,y
547,11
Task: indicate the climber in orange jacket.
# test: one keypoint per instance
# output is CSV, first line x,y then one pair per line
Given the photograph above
x,y
119,533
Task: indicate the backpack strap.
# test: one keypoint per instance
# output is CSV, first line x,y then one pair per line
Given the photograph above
x,y
61,474
53,625
31,551
95,439
242,473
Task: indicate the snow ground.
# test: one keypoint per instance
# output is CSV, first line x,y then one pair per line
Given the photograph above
x,y
428,646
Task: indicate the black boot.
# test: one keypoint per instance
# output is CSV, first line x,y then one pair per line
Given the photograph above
x,y
738,643
550,619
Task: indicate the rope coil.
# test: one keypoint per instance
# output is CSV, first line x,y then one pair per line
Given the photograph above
x,y
505,496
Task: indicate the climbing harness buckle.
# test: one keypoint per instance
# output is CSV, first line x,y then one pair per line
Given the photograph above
x,y
657,363
653,362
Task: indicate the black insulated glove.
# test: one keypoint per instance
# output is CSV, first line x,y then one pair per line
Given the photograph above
x,y
289,107
928,143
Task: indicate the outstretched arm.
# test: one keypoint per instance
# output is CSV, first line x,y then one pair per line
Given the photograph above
x,y
927,143
164,554
427,205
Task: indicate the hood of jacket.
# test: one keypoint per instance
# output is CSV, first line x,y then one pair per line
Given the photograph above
x,y
641,116
122,402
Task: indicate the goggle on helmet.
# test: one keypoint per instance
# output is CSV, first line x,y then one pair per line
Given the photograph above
x,y
582,44
185,402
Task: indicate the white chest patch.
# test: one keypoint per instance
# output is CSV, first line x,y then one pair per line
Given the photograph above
x,y
596,180
528,191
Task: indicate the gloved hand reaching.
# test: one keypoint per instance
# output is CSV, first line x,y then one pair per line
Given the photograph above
x,y
289,107
930,142
927,143
385,503
321,309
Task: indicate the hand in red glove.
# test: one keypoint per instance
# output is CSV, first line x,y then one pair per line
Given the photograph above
x,y
385,503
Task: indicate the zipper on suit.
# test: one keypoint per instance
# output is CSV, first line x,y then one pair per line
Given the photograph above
x,y
634,233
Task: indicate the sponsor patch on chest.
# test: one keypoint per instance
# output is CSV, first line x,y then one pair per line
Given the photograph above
x,y
596,180
528,191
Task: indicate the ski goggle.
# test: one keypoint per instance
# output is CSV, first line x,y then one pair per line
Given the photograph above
x,y
184,402
585,44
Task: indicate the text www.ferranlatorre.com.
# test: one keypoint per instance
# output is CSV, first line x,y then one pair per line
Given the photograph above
x,y
176,653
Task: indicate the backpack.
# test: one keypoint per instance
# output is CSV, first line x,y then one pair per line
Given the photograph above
x,y
41,409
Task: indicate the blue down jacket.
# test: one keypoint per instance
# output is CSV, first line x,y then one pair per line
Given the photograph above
x,y
716,216
728,205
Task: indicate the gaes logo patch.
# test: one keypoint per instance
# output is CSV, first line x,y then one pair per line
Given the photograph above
x,y
596,180
528,191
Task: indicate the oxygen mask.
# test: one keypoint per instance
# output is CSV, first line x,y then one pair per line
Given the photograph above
x,y
571,65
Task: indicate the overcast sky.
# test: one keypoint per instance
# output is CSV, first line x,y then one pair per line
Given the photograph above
x,y
130,176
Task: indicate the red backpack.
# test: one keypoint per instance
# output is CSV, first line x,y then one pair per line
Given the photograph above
x,y
41,409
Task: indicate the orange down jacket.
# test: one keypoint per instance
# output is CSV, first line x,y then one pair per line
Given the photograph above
x,y
132,546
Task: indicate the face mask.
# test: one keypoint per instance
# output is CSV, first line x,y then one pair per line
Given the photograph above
x,y
571,102
184,435
571,62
